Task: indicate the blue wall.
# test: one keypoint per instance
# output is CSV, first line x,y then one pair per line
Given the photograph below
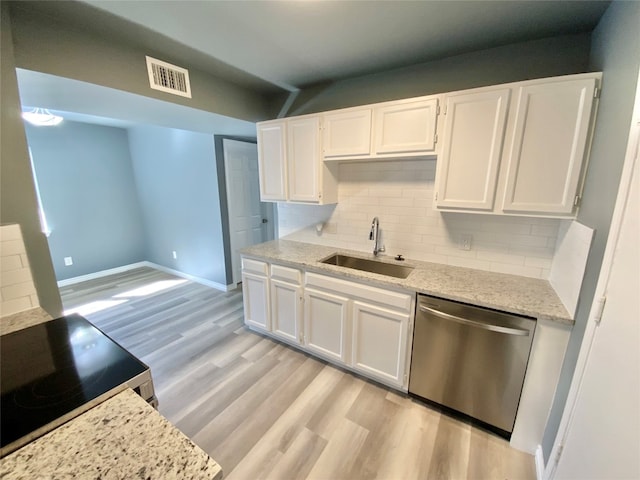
x,y
86,183
176,178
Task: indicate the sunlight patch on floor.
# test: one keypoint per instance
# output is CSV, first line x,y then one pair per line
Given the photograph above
x,y
151,288
94,307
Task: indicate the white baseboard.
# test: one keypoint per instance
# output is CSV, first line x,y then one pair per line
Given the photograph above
x,y
102,273
203,281
539,463
124,268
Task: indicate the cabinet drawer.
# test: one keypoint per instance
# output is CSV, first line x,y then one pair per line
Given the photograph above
x,y
286,274
255,266
397,300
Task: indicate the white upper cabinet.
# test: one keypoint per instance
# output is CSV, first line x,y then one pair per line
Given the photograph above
x,y
303,148
406,126
290,162
474,132
546,134
548,147
272,160
347,133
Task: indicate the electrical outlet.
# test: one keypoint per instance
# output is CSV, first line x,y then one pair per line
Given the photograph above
x,y
465,241
175,255
331,227
68,261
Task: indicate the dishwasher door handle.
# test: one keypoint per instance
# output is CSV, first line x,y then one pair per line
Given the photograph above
x,y
472,323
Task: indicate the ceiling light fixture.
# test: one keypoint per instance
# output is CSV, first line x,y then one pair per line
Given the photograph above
x,y
41,117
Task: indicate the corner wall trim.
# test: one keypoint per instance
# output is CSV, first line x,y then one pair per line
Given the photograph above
x,y
539,458
124,268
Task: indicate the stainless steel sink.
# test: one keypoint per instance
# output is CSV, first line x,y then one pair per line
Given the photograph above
x,y
373,266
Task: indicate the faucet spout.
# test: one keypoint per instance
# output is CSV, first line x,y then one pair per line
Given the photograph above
x,y
374,235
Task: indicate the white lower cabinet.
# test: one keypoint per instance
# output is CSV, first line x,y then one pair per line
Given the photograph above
x,y
255,291
326,317
352,324
365,328
286,310
379,342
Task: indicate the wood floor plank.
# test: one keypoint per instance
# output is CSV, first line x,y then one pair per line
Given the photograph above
x,y
341,452
231,450
300,457
410,443
279,438
452,436
263,409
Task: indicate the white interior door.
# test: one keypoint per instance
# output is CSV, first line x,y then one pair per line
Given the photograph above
x,y
250,220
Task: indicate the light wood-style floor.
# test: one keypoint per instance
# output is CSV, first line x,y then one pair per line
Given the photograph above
x,y
265,410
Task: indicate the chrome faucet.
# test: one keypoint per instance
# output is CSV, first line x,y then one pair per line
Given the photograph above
x,y
374,235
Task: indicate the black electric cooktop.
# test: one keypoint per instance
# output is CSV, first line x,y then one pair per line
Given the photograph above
x,y
50,370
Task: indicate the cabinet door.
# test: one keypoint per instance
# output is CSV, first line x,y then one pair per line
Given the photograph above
x,y
473,137
255,292
272,161
548,146
303,156
347,134
379,346
326,317
406,127
286,310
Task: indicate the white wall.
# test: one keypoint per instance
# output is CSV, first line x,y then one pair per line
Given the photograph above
x,y
400,193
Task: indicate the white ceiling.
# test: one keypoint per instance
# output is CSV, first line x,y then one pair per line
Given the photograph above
x,y
296,43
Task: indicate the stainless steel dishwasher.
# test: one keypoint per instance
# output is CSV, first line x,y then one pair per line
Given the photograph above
x,y
470,359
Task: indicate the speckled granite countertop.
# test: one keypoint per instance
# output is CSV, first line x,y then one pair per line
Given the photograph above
x,y
20,320
121,438
510,293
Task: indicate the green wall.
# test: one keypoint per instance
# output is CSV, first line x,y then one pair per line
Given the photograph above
x,y
547,57
48,41
18,202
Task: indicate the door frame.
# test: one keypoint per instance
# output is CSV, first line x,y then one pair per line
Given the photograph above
x,y
270,209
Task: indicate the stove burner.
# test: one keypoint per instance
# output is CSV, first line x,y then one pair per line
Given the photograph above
x,y
62,386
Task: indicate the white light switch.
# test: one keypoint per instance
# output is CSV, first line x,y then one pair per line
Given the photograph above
x,y
175,254
68,261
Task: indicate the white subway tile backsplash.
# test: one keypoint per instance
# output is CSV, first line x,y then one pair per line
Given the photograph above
x,y
10,262
11,247
8,307
25,289
13,277
17,291
400,193
11,232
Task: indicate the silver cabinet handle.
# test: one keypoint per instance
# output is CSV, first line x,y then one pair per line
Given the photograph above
x,y
472,323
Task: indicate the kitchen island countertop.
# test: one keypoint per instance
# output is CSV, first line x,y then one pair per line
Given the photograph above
x,y
20,320
532,297
123,437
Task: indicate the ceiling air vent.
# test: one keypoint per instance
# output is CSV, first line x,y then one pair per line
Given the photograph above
x,y
168,78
